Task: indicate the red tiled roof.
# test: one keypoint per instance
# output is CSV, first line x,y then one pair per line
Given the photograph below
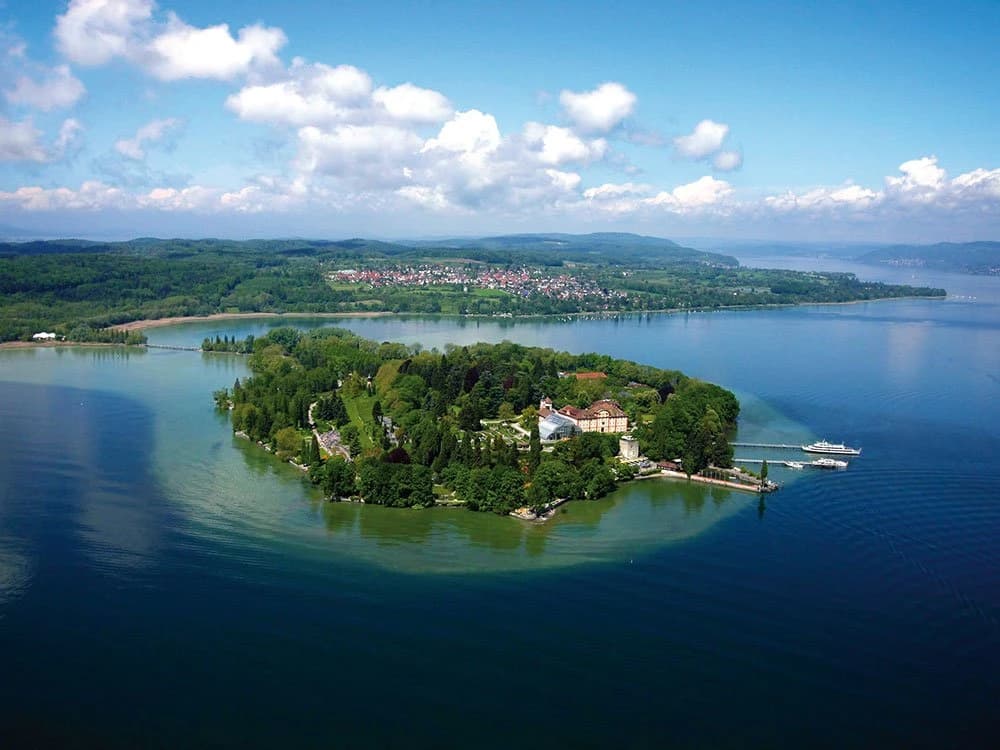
x,y
589,375
591,412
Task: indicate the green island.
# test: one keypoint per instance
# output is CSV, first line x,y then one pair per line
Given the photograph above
x,y
79,290
492,427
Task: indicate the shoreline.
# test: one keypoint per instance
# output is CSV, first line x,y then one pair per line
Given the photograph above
x,y
138,325
57,344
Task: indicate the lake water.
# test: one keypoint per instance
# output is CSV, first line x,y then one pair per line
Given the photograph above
x,y
164,584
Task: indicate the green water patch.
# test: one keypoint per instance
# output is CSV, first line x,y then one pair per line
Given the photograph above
x,y
233,492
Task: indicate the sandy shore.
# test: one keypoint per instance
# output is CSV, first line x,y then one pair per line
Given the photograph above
x,y
138,325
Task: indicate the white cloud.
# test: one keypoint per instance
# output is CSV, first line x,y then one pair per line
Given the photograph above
x,y
625,198
612,190
470,131
151,132
184,51
411,103
92,32
845,197
56,89
193,198
22,141
922,180
312,94
557,145
564,181
704,141
362,156
703,192
425,197
69,136
321,95
727,161
978,184
921,189
90,196
600,110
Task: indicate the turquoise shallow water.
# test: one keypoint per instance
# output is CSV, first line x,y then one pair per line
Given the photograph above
x,y
162,583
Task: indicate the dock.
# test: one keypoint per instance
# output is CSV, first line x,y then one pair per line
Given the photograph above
x,y
776,446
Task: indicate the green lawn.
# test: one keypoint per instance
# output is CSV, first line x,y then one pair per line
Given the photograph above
x,y
359,409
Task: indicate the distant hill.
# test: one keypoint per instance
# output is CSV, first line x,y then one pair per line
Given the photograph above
x,y
604,248
40,247
963,257
597,247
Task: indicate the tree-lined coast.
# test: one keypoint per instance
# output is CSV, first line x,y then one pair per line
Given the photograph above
x,y
416,428
89,291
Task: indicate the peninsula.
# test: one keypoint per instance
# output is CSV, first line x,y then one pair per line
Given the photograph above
x,y
390,424
86,291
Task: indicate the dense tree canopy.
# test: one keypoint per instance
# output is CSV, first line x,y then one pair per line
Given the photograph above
x,y
413,419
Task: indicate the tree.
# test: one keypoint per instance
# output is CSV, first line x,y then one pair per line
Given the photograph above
x,y
763,474
534,449
335,477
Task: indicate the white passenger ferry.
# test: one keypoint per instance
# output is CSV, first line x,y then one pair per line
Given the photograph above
x,y
839,449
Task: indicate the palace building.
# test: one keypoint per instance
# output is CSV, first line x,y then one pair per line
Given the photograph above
x,y
601,416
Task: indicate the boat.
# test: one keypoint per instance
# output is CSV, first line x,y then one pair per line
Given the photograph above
x,y
839,449
828,463
795,464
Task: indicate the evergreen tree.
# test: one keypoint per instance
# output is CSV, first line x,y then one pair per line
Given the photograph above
x,y
534,449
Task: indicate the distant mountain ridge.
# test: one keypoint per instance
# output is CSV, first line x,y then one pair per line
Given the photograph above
x,y
965,257
550,249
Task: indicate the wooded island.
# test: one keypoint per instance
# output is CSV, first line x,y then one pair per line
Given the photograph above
x,y
393,425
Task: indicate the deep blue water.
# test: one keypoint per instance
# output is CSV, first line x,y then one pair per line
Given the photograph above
x,y
162,584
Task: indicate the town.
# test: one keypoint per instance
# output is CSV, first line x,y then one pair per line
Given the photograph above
x,y
522,281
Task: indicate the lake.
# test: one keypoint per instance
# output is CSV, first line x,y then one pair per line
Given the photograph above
x,y
163,583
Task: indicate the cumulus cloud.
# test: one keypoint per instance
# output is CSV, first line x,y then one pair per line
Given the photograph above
x,y
411,103
600,110
846,197
183,51
727,161
921,188
704,141
318,94
133,148
703,194
22,141
555,145
91,195
470,131
93,32
55,89
922,180
363,156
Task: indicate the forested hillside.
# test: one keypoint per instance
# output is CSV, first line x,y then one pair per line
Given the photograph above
x,y
75,288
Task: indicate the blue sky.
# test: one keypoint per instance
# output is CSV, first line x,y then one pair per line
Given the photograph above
x,y
863,121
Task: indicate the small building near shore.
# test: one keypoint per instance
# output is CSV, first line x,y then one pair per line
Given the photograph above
x,y
43,336
628,448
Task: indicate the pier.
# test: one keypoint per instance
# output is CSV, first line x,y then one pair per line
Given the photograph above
x,y
771,462
777,446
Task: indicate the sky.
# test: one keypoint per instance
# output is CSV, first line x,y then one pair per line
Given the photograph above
x,y
794,121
